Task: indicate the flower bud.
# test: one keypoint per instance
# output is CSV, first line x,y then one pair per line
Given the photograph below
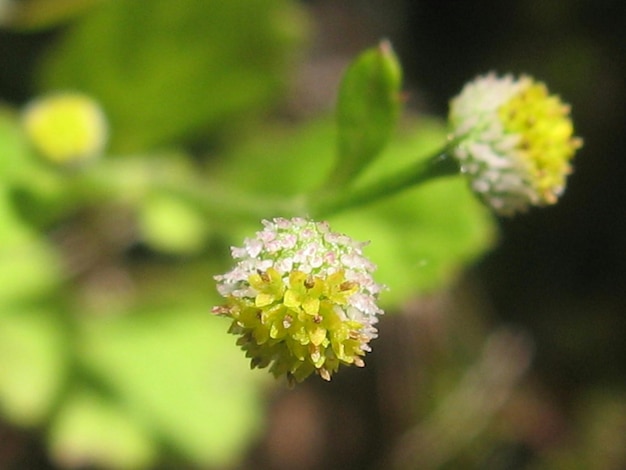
x,y
301,298
65,127
513,140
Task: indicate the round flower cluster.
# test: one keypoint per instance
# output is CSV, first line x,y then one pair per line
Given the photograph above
x,y
66,127
513,140
301,298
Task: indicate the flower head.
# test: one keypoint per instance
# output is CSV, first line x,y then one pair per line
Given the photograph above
x,y
302,299
513,140
65,127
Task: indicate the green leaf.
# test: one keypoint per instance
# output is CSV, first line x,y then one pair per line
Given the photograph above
x,y
170,225
90,430
28,266
168,70
33,365
279,160
367,111
181,376
33,186
13,147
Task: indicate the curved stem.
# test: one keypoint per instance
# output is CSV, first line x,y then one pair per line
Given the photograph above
x,y
133,181
442,164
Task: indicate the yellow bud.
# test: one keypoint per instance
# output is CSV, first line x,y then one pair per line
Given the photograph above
x,y
65,127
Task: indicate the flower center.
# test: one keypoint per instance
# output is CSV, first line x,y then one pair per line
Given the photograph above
x,y
302,322
546,142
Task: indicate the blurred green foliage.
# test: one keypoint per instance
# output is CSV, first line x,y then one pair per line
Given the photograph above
x,y
168,70
105,269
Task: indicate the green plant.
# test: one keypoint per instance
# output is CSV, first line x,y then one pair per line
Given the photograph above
x,y
107,252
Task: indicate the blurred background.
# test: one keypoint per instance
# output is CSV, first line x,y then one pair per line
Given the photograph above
x,y
512,360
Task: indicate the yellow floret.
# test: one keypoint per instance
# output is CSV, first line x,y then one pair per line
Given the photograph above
x,y
546,143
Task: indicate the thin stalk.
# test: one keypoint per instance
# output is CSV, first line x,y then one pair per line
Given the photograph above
x,y
442,164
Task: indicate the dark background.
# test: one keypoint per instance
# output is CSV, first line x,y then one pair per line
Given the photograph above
x,y
560,271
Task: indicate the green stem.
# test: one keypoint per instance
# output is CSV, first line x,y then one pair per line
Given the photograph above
x,y
133,181
442,164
